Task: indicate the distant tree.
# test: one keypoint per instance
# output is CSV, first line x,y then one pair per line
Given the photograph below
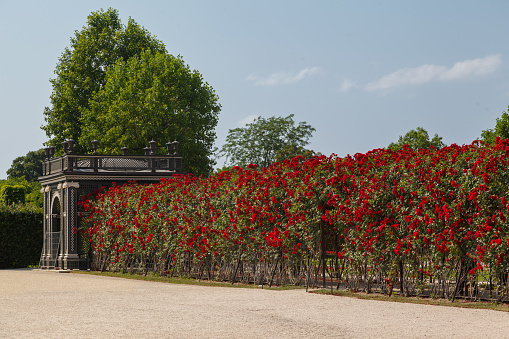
x,y
501,130
81,70
222,169
28,166
416,139
265,141
292,150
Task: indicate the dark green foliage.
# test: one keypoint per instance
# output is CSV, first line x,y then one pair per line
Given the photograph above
x,y
12,194
155,96
82,67
28,166
21,235
34,196
119,85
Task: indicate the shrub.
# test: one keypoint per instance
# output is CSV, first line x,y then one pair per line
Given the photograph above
x,y
12,194
21,235
13,188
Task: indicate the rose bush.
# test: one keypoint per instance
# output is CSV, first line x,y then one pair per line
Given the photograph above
x,y
428,221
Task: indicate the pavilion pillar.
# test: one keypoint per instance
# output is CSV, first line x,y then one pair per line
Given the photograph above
x,y
45,257
70,250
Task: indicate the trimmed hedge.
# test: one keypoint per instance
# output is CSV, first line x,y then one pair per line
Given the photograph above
x,y
21,235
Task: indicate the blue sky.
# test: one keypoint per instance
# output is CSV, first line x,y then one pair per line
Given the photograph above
x,y
361,72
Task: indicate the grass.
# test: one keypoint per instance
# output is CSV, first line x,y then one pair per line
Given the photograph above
x,y
186,281
482,305
358,295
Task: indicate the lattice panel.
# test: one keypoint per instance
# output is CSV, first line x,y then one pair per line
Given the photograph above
x,y
178,164
164,164
83,163
124,163
85,189
83,245
72,216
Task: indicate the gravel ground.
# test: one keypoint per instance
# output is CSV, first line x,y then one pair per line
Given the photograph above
x,y
48,304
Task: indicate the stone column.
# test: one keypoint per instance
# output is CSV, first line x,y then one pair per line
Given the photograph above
x,y
63,209
71,257
45,256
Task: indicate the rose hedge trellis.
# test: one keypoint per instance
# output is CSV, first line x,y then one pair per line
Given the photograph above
x,y
427,222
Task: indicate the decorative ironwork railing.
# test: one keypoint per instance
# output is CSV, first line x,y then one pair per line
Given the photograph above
x,y
149,162
112,163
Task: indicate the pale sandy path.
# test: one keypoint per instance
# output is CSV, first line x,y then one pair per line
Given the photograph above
x,y
46,304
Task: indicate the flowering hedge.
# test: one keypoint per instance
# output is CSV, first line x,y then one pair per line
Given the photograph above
x,y
432,222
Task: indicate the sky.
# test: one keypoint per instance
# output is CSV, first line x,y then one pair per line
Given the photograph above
x,y
362,73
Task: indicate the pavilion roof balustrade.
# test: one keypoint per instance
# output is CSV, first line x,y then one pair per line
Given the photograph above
x,y
112,164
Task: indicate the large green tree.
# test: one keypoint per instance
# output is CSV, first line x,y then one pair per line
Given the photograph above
x,y
81,70
96,95
501,130
28,166
416,139
265,141
154,96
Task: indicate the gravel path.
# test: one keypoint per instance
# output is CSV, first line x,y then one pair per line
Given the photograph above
x,y
47,304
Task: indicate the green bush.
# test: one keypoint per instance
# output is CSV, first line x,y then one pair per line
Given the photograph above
x,y
12,194
34,195
13,188
21,235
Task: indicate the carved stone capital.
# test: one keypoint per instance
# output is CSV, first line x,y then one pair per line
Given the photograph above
x,y
71,184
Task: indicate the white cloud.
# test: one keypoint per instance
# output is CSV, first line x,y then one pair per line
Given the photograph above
x,y
247,120
476,67
283,78
430,73
347,85
407,76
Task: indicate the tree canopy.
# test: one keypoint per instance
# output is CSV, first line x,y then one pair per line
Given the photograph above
x,y
28,166
265,141
21,185
416,139
501,130
96,95
154,96
81,70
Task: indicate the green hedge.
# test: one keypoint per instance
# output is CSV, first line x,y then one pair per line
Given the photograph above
x,y
13,194
21,235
